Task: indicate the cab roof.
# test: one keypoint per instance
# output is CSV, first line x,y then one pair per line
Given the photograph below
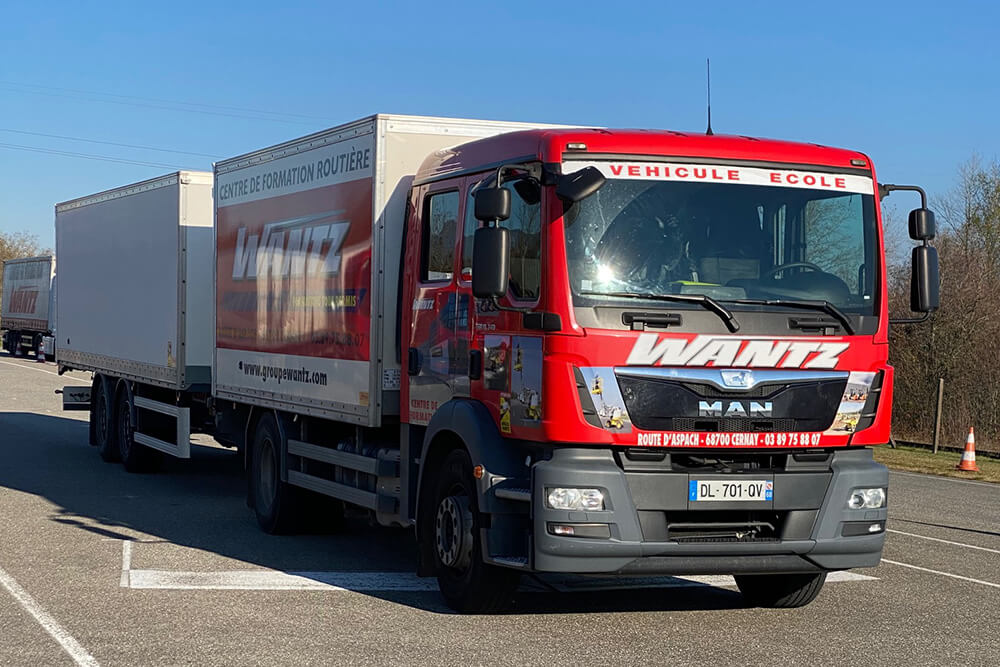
x,y
553,145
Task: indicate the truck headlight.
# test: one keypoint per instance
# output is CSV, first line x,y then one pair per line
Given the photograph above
x,y
588,500
866,499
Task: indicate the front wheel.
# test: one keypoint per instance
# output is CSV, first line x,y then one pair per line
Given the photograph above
x,y
780,591
467,583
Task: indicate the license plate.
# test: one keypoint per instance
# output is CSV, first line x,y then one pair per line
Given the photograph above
x,y
730,490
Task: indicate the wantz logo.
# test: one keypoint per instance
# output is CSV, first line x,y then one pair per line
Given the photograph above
x,y
307,246
649,350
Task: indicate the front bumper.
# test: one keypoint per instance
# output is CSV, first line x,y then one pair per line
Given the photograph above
x,y
809,511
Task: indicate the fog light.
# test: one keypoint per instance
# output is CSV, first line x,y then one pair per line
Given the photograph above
x,y
575,499
866,499
874,528
593,530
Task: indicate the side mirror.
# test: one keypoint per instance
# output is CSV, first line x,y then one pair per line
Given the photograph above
x,y
492,205
490,259
925,281
922,226
580,184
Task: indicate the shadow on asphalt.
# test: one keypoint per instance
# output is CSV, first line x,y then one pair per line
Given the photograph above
x,y
201,504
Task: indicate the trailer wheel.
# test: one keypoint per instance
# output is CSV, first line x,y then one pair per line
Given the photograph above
x,y
135,457
101,435
780,591
273,500
467,583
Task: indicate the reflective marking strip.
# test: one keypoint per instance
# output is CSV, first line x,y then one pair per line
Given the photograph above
x,y
936,539
71,646
943,574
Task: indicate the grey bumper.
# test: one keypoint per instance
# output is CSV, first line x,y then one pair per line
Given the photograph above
x,y
811,503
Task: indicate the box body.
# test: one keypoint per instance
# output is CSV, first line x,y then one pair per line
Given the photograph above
x,y
308,241
27,294
134,295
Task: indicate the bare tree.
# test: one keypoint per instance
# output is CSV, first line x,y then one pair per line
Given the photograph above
x,y
962,340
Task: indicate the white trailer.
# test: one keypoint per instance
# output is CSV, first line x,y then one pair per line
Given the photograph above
x,y
135,303
27,309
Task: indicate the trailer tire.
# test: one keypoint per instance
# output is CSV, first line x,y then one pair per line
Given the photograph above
x,y
135,457
101,431
273,500
780,591
468,584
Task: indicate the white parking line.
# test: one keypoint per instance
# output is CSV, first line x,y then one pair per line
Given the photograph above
x,y
360,582
943,574
42,370
66,641
937,539
941,478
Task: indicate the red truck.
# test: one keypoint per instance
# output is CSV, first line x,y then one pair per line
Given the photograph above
x,y
549,349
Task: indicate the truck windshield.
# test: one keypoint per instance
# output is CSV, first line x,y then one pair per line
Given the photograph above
x,y
758,235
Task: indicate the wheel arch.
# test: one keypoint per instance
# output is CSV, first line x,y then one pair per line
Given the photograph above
x,y
467,425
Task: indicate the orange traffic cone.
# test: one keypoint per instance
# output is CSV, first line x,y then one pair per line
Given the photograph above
x,y
968,462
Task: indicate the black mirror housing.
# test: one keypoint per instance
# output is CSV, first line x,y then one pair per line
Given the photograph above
x,y
490,259
579,185
922,225
492,205
925,281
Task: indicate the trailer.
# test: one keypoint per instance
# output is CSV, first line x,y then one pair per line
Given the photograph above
x,y
135,308
26,313
547,349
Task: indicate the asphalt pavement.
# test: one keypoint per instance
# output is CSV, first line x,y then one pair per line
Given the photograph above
x,y
99,566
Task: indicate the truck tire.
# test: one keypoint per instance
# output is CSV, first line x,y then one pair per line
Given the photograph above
x,y
273,500
135,457
780,591
468,584
101,431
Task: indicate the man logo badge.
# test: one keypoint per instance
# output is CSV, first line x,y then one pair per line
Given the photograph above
x,y
738,379
735,409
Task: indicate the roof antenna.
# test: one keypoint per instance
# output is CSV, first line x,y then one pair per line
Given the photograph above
x,y
708,77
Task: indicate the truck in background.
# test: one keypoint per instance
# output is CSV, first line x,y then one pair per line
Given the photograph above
x,y
28,309
546,349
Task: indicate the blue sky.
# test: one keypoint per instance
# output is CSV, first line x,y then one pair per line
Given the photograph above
x,y
915,85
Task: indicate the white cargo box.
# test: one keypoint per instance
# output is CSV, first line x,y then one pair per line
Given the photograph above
x,y
27,294
134,295
308,240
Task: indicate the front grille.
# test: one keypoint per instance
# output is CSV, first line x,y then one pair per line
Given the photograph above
x,y
711,391
672,404
732,425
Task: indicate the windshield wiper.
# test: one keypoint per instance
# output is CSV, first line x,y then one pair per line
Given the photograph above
x,y
807,305
706,302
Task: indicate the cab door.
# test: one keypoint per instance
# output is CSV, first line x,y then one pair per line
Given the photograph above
x,y
435,361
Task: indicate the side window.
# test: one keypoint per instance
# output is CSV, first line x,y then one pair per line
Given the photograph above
x,y
440,222
468,236
525,225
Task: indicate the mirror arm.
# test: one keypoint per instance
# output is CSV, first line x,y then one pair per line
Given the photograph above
x,y
909,320
885,188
